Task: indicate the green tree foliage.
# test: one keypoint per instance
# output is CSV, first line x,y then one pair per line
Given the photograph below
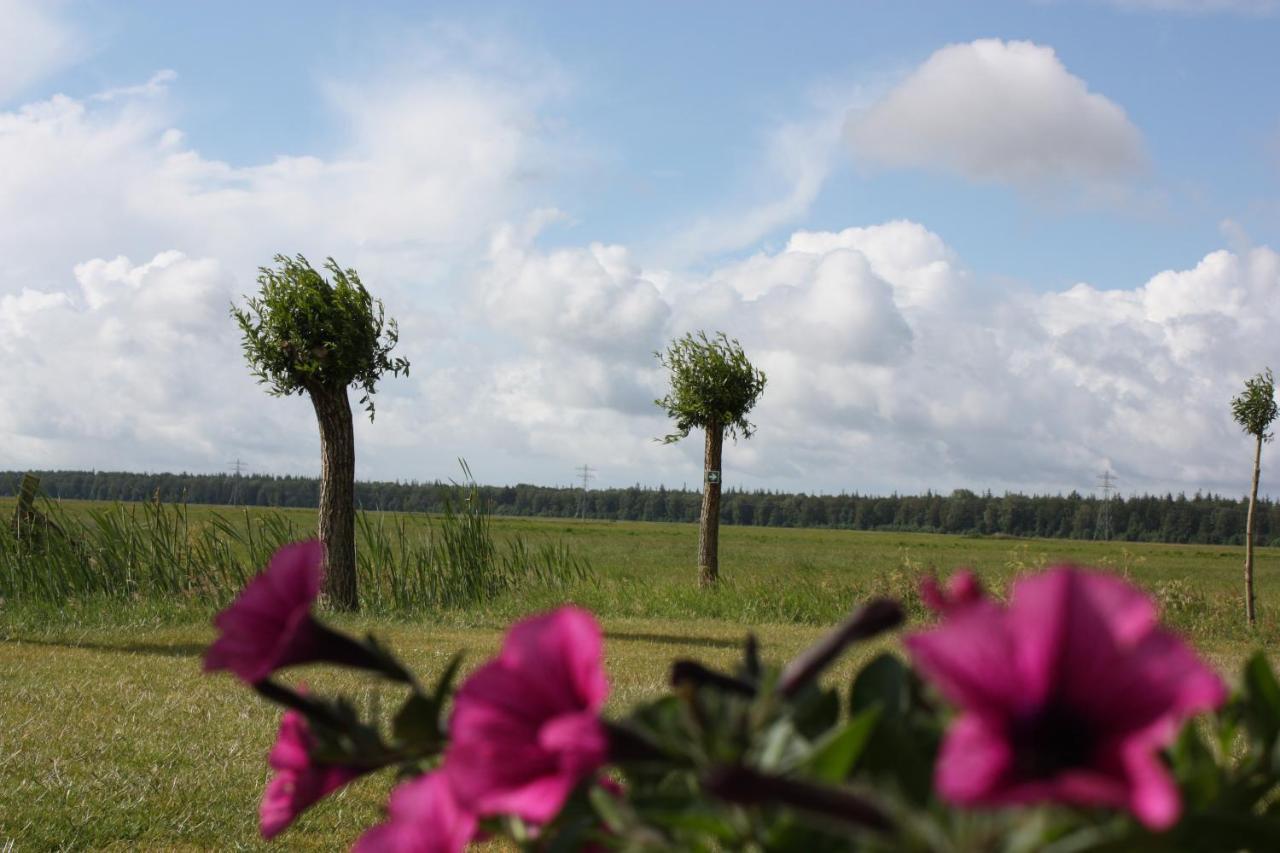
x,y
712,383
305,334
1254,409
713,387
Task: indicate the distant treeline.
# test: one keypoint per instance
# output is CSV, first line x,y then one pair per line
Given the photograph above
x,y
1209,519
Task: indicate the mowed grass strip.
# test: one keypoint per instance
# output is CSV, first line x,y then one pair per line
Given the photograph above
x,y
114,739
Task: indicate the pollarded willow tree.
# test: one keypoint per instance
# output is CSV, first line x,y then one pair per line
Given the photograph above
x,y
713,387
1254,409
305,334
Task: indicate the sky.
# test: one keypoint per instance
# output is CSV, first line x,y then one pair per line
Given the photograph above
x,y
998,245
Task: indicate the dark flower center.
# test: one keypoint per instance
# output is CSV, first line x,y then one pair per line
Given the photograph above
x,y
1052,740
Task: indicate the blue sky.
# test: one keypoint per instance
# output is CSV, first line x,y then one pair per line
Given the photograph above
x,y
1018,175
675,99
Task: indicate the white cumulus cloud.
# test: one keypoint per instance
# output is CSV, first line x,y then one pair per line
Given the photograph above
x,y
583,300
1004,111
890,369
432,159
429,164
131,363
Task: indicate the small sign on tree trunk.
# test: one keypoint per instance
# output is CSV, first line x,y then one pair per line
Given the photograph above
x,y
713,476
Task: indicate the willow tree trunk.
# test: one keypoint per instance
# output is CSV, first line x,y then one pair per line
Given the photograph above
x,y
1249,611
337,496
709,529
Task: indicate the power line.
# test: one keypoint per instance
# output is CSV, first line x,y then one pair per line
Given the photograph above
x,y
586,472
1108,482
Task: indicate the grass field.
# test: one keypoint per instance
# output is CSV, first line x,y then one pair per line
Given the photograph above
x,y
110,738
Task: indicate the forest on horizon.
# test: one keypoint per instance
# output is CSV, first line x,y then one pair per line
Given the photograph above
x,y
1200,518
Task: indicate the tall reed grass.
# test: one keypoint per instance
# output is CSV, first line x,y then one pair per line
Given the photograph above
x,y
159,551
456,561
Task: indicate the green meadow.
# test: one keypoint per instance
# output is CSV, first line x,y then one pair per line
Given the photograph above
x,y
111,738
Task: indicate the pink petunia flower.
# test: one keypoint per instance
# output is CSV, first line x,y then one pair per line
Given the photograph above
x,y
423,817
270,625
1066,695
963,587
526,727
300,781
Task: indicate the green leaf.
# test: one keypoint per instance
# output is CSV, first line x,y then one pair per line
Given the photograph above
x,y
781,745
444,684
899,755
609,808
665,722
417,723
903,745
834,757
712,385
1261,700
1110,838
384,661
696,818
1228,832
1203,832
1194,766
816,711
884,682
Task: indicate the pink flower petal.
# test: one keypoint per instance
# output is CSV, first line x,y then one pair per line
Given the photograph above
x,y
525,728
480,769
579,740
424,817
962,588
574,733
1193,687
293,573
538,800
1091,689
292,747
970,657
1079,787
1153,796
499,695
299,782
269,625
277,810
1072,627
973,761
563,650
1159,683
1128,611
932,595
